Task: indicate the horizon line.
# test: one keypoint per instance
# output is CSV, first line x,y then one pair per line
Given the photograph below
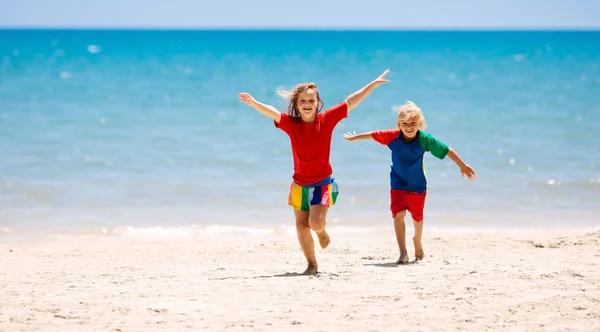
x,y
245,28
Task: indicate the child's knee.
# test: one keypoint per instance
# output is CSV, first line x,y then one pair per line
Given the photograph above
x,y
317,217
399,216
317,224
301,219
417,217
302,223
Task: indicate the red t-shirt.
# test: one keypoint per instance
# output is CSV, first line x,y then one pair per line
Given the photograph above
x,y
311,143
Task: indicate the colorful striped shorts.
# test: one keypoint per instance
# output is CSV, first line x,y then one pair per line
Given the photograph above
x,y
324,193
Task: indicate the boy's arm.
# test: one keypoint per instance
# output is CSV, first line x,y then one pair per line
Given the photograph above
x,y
354,99
352,136
464,168
265,109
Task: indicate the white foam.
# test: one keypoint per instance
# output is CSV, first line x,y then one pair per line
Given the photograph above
x,y
511,231
186,231
64,75
94,49
222,229
156,231
289,231
358,230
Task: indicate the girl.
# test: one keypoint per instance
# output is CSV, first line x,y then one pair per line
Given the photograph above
x,y
313,190
408,182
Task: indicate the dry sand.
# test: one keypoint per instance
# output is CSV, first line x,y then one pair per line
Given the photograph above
x,y
241,282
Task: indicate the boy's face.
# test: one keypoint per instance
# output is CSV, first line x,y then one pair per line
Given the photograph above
x,y
409,126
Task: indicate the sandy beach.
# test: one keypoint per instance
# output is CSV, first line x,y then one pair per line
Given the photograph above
x,y
241,282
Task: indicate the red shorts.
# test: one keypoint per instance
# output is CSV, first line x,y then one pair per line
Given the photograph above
x,y
402,200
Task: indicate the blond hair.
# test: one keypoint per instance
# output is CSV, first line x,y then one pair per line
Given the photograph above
x,y
292,97
409,111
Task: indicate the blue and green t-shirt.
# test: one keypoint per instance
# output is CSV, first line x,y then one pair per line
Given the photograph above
x,y
408,169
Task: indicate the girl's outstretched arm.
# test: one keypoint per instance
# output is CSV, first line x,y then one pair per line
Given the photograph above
x,y
352,136
265,109
464,168
354,99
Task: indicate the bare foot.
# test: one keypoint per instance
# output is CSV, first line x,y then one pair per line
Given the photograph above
x,y
403,258
323,238
419,254
311,270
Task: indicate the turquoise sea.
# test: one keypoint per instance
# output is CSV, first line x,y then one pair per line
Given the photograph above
x,y
108,130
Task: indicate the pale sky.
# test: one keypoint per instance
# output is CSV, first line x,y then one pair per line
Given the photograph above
x,y
316,14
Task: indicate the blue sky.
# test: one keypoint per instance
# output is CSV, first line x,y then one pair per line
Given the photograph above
x,y
400,14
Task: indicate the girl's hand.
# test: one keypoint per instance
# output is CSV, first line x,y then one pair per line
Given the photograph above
x,y
248,99
350,136
381,79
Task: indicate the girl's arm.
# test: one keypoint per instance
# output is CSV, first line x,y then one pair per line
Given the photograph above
x,y
265,109
354,99
352,136
464,168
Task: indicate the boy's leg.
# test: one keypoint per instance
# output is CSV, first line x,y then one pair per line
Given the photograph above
x,y
317,222
398,208
400,229
419,254
306,241
416,204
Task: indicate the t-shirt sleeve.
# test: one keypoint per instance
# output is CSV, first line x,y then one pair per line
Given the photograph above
x,y
332,116
385,137
433,145
284,123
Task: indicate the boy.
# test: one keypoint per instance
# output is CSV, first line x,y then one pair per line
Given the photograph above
x,y
408,143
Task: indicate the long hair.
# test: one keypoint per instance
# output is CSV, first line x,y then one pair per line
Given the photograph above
x,y
292,98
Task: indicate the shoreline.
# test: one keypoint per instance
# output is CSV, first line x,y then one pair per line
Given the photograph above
x,y
274,230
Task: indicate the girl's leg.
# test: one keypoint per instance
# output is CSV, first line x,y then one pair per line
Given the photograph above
x,y
306,241
400,229
317,222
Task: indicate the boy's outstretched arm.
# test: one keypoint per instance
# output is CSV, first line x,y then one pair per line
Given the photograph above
x,y
265,109
354,99
352,136
464,168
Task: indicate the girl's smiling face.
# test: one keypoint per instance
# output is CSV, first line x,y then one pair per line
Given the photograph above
x,y
307,104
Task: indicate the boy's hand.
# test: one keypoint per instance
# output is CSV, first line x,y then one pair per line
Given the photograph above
x,y
248,99
468,171
350,136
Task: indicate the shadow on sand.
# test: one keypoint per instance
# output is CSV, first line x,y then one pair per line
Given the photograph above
x,y
393,264
283,275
